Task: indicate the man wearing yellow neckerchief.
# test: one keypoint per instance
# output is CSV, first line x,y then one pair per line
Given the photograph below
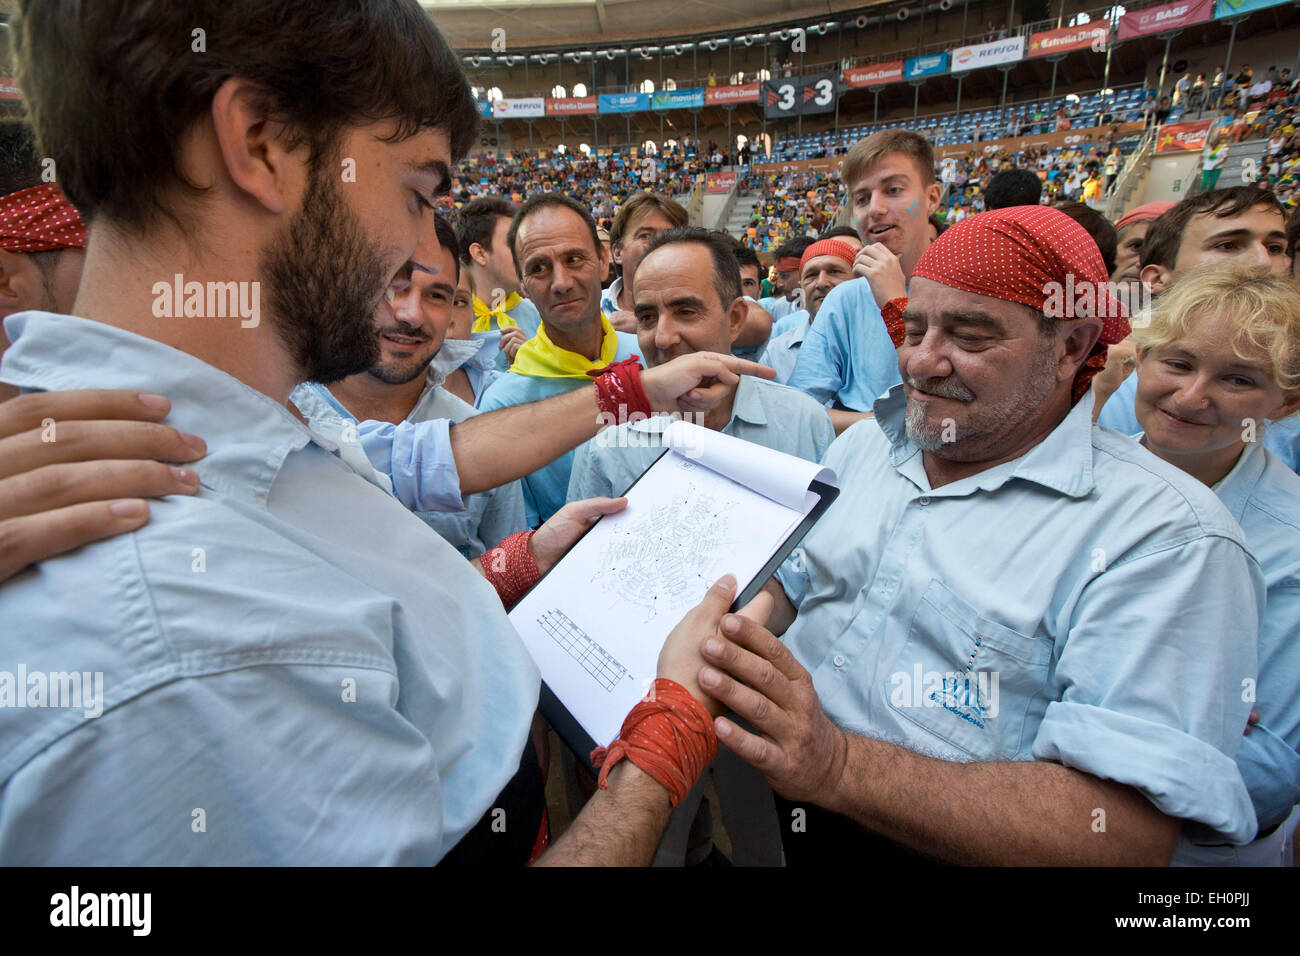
x,y
560,261
481,230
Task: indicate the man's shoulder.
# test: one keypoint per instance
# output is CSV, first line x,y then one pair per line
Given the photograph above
x,y
847,303
786,399
1159,494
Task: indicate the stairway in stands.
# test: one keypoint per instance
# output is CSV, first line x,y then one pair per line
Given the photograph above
x,y
1244,160
738,221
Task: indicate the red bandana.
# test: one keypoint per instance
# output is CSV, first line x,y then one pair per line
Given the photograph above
x,y
1037,256
40,219
1144,213
828,247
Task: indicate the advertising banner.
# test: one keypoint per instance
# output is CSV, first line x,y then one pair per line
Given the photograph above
x,y
720,182
930,65
1091,36
722,95
877,74
799,95
1230,8
570,105
1169,16
1182,136
1010,50
531,106
623,102
677,99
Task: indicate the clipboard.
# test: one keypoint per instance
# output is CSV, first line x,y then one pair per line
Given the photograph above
x,y
553,630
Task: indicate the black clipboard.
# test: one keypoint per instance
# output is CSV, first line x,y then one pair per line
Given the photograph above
x,y
566,726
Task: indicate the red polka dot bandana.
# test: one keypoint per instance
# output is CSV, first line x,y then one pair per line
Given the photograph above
x,y
1039,257
40,219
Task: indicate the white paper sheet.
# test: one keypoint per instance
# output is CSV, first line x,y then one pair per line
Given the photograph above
x,y
596,622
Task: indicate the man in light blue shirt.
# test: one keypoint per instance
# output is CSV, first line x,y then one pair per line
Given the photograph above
x,y
294,668
825,265
676,318
981,667
404,385
687,300
848,360
555,244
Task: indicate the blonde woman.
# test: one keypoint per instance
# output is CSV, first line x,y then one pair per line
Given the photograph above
x,y
1219,361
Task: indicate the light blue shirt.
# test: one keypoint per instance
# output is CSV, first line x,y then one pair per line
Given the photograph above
x,y
481,368
1112,595
848,356
1264,496
1282,437
290,658
778,306
488,516
545,489
763,412
788,322
782,351
609,297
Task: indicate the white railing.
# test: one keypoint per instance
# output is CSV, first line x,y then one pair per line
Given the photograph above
x,y
1137,161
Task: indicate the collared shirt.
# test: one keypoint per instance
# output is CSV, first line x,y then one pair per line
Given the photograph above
x,y
289,656
488,516
609,297
1026,612
1262,494
527,318
481,367
1281,437
778,306
546,488
763,412
788,322
848,357
782,351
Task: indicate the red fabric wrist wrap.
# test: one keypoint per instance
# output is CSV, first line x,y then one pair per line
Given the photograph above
x,y
619,391
892,313
510,568
668,734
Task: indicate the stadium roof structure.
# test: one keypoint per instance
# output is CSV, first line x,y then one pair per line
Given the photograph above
x,y
468,24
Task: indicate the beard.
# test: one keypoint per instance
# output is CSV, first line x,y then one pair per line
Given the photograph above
x,y
399,371
981,428
324,281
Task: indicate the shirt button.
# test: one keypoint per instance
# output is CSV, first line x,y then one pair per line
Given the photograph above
x,y
838,660
923,501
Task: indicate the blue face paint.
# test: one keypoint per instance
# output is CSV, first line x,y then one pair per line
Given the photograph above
x,y
913,209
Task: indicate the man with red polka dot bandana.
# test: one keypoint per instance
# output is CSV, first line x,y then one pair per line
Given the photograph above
x,y
42,237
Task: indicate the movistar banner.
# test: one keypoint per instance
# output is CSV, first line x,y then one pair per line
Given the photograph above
x,y
1230,8
678,99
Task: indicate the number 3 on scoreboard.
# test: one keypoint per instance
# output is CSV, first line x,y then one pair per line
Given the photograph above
x,y
825,92
786,102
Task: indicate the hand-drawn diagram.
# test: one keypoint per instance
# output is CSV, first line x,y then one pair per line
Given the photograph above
x,y
661,561
595,660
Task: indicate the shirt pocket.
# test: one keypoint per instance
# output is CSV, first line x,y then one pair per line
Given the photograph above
x,y
969,681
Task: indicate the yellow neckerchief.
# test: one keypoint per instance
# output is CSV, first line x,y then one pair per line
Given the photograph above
x,y
542,358
483,316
